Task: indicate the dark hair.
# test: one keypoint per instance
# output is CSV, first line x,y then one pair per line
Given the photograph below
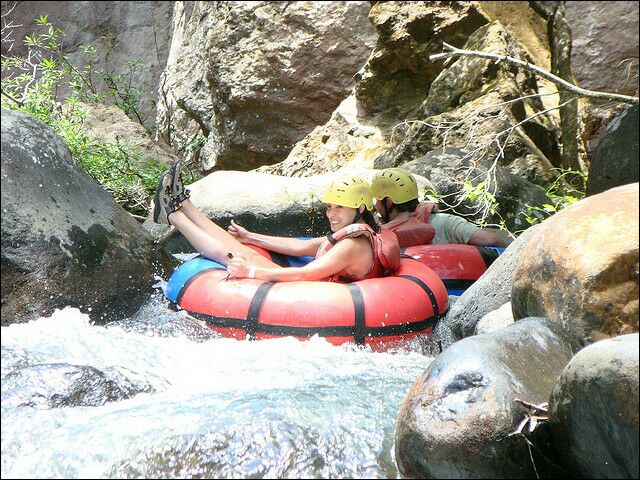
x,y
370,220
409,206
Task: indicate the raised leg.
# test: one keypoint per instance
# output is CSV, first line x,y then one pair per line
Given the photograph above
x,y
209,239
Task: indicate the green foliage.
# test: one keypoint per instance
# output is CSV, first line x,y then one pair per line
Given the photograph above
x,y
480,195
32,84
561,192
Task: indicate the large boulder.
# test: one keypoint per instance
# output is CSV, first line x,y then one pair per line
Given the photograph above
x,y
64,239
490,292
593,411
508,195
472,104
615,160
256,77
109,124
456,420
389,89
128,37
581,267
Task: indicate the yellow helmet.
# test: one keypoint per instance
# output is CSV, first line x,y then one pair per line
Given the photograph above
x,y
395,183
348,192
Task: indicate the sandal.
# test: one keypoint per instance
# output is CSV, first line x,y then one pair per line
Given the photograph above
x,y
178,192
163,203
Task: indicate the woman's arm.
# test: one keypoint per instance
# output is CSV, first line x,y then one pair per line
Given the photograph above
x,y
339,258
288,246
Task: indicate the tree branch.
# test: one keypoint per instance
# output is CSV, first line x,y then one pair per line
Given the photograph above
x,y
12,98
455,52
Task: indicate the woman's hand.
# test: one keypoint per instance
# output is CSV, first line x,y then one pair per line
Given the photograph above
x,y
239,233
239,267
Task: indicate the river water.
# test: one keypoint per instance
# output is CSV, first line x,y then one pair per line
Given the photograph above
x,y
201,406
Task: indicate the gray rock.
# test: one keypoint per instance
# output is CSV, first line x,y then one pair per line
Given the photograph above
x,y
254,78
605,44
138,29
456,419
60,385
488,293
593,411
65,242
495,320
615,160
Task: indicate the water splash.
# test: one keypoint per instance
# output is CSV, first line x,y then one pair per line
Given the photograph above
x,y
220,407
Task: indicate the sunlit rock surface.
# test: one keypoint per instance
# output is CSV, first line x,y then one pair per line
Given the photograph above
x,y
580,268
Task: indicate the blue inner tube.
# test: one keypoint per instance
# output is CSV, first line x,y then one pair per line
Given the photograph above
x,y
188,269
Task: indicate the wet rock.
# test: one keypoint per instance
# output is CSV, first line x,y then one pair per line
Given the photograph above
x,y
156,319
580,267
615,160
456,419
60,385
593,411
65,241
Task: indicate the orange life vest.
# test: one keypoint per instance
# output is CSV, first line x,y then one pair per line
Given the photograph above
x,y
415,230
386,251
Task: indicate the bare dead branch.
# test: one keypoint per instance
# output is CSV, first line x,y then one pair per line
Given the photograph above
x,y
456,52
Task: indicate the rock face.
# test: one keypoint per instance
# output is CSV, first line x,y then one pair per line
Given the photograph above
x,y
471,105
615,161
593,411
390,87
456,419
109,124
139,29
449,169
581,267
605,44
256,77
64,240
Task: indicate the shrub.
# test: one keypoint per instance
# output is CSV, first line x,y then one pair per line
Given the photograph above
x,y
32,84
